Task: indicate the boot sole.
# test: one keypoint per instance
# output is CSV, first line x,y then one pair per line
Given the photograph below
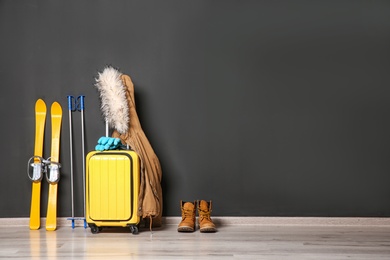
x,y
208,230
185,229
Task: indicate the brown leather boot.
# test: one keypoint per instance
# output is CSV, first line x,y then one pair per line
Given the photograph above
x,y
205,222
187,223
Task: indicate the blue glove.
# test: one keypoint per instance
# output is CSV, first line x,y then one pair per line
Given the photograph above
x,y
107,143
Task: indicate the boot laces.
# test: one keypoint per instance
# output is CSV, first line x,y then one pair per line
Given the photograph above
x,y
204,214
186,213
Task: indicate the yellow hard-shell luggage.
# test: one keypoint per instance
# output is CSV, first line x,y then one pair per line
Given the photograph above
x,y
112,186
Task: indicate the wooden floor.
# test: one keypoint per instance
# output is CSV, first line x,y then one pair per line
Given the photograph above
x,y
230,242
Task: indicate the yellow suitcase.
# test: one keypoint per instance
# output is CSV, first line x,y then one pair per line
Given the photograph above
x,y
112,185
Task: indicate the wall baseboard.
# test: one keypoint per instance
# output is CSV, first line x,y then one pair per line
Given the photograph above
x,y
229,221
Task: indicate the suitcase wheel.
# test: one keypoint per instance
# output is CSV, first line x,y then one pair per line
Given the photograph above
x,y
95,229
134,229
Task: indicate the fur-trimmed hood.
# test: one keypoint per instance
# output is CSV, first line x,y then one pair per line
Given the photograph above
x,y
113,99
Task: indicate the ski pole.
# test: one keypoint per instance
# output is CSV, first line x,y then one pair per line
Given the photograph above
x,y
81,102
71,108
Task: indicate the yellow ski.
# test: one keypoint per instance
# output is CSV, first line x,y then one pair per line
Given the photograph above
x,y
54,166
40,118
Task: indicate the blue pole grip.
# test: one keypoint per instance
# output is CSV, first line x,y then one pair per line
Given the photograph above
x,y
81,102
70,99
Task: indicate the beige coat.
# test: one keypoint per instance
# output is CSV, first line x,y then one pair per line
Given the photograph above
x,y
150,195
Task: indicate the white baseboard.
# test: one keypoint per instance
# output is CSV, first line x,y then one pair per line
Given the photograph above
x,y
228,221
294,221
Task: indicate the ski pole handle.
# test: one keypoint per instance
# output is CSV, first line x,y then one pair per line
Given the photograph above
x,y
71,103
76,103
80,102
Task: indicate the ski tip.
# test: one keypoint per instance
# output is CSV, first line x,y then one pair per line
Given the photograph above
x,y
40,106
56,108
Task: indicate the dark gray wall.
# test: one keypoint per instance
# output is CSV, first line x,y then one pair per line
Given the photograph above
x,y
269,108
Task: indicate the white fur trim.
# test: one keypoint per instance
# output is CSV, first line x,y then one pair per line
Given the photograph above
x,y
113,99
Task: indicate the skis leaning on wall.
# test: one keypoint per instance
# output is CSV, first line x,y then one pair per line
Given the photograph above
x,y
53,173
36,162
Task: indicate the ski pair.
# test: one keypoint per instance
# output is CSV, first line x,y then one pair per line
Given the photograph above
x,y
40,165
